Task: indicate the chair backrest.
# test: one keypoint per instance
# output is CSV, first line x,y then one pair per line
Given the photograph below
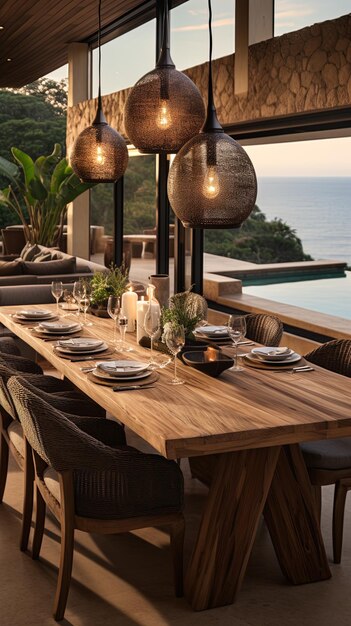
x,y
13,240
59,442
9,346
10,366
334,356
265,329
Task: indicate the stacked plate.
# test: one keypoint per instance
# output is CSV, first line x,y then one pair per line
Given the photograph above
x,y
57,328
35,315
213,333
81,346
121,371
273,356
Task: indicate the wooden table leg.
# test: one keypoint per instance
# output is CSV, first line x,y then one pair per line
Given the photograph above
x,y
292,521
238,491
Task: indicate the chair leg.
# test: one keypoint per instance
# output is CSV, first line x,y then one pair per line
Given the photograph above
x,y
338,519
4,462
66,561
39,524
317,493
177,547
27,498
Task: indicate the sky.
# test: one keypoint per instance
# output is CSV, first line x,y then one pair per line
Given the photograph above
x,y
189,46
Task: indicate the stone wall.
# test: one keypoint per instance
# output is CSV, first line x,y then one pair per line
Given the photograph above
x,y
306,70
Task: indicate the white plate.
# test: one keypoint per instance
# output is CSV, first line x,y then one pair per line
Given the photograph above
x,y
60,326
268,353
83,352
215,331
116,378
35,318
80,345
42,331
35,313
293,358
122,368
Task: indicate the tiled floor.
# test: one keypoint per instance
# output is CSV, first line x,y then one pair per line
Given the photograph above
x,y
126,580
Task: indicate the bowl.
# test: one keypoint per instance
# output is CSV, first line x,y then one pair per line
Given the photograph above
x,y
210,361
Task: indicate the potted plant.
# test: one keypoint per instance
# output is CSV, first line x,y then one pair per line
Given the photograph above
x,y
186,309
39,192
104,284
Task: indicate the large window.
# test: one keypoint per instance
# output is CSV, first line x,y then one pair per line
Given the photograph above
x,y
189,31
295,14
125,59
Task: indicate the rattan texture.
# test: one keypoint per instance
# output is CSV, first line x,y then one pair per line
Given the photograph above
x,y
109,483
264,329
20,363
164,88
99,154
9,346
334,356
235,187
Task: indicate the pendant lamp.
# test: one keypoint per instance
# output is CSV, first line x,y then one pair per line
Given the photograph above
x,y
212,182
99,154
164,109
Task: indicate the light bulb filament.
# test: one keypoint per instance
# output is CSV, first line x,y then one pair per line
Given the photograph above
x,y
164,119
210,187
100,158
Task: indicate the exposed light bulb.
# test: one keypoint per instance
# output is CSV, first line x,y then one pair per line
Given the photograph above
x,y
164,119
210,187
100,158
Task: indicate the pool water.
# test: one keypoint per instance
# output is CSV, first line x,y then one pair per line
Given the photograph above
x,y
330,295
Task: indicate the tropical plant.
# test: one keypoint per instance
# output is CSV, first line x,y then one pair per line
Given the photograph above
x,y
110,283
41,189
185,309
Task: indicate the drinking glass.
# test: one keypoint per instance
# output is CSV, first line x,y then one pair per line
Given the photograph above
x,y
114,309
57,291
78,292
152,327
85,303
175,340
123,323
237,332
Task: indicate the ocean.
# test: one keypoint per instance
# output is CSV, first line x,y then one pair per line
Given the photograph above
x,y
319,209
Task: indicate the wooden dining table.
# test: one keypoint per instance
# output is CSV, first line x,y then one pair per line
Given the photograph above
x,y
242,430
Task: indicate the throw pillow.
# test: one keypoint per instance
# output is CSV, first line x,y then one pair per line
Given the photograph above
x,y
29,251
43,256
11,268
46,268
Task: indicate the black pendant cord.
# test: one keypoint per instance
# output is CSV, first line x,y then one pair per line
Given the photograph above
x,y
99,117
211,124
165,59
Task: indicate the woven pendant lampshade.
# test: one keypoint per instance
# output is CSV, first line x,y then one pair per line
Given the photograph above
x,y
164,109
212,182
99,154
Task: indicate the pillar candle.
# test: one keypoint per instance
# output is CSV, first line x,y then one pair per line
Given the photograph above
x,y
142,307
129,308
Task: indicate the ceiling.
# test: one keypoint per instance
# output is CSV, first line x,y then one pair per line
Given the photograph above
x,y
36,33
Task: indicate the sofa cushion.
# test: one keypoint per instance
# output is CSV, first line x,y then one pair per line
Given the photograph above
x,y
11,268
47,268
42,256
29,251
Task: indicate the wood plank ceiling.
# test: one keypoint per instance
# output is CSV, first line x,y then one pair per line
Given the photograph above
x,y
36,33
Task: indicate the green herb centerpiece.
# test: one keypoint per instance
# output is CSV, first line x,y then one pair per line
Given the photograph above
x,y
104,284
186,309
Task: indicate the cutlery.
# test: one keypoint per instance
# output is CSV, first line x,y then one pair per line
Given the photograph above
x,y
302,368
132,387
91,358
55,338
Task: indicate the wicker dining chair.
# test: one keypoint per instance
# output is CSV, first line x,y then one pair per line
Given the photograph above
x,y
264,329
329,462
94,488
61,394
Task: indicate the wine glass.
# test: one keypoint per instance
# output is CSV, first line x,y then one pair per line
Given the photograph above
x,y
175,340
123,323
237,332
85,303
114,309
57,291
152,323
78,292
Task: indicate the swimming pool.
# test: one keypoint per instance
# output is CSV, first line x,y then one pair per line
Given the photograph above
x,y
330,295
